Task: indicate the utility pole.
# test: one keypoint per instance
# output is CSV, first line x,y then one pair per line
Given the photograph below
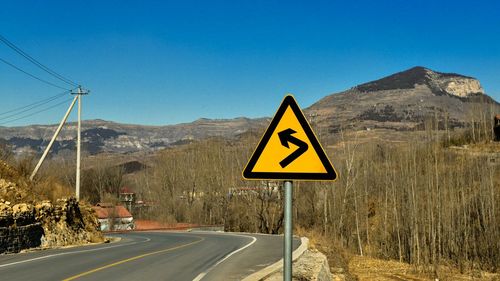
x,y
79,94
39,164
78,97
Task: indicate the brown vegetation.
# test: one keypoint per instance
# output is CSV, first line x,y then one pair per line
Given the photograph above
x,y
373,269
414,202
418,202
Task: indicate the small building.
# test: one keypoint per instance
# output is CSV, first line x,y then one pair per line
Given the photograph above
x,y
127,198
269,190
113,217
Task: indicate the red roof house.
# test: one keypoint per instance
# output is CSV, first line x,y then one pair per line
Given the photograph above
x,y
107,210
114,217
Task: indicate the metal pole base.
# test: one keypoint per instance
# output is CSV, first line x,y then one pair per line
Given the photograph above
x,y
287,249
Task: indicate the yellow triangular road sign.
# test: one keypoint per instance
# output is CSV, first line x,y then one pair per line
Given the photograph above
x,y
289,150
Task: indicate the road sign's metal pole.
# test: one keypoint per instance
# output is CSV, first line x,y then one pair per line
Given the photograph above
x,y
287,249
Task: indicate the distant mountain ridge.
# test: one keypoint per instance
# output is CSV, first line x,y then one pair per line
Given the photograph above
x,y
106,136
438,82
400,101
403,100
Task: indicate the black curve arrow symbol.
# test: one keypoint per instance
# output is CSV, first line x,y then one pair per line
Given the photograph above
x,y
285,138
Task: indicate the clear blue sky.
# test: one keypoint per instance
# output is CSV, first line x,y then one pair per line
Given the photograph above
x,y
166,62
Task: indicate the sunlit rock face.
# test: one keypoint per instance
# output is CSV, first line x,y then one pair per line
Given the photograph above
x,y
456,85
463,87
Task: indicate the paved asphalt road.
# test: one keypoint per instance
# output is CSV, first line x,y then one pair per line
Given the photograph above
x,y
151,256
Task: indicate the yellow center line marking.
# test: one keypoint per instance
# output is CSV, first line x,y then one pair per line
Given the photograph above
x,y
131,259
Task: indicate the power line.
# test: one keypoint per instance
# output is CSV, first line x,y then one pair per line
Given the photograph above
x,y
37,63
27,109
31,75
35,104
36,112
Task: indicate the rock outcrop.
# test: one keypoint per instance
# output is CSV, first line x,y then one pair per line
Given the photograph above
x,y
462,87
31,223
311,266
67,223
454,84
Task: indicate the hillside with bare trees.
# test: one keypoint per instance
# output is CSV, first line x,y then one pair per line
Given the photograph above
x,y
422,203
422,190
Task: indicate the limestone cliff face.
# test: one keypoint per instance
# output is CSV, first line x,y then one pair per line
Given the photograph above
x,y
456,85
463,87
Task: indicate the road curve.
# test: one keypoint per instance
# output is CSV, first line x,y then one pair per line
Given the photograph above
x,y
151,256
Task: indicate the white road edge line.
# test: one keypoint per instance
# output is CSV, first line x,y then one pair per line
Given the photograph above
x,y
201,275
75,252
266,272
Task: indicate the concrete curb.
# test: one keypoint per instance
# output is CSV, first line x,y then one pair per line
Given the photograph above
x,y
261,274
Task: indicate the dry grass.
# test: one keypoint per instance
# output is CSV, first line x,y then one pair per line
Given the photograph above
x,y
366,269
51,188
371,269
479,148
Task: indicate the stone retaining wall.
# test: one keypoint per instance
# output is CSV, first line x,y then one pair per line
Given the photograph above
x,y
312,265
16,238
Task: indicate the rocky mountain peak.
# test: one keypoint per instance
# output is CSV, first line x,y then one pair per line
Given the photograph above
x,y
401,101
440,83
